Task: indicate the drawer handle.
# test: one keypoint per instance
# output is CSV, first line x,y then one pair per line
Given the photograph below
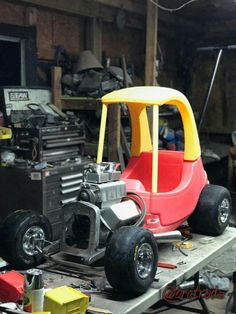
x,y
68,200
70,190
65,184
72,176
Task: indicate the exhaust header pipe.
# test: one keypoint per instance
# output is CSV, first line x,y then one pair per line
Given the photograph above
x,y
166,237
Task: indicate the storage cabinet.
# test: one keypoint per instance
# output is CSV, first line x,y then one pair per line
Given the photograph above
x,y
44,191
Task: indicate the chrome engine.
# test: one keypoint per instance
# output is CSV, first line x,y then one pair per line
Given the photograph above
x,y
102,207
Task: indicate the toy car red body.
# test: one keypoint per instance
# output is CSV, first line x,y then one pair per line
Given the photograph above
x,y
173,184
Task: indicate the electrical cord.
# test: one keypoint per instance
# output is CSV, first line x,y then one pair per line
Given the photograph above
x,y
174,9
142,207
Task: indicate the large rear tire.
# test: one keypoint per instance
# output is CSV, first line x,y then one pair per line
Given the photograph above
x,y
23,231
212,213
131,259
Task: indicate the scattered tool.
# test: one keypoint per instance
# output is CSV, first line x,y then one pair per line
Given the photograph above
x,y
11,311
96,310
166,265
5,133
184,245
206,240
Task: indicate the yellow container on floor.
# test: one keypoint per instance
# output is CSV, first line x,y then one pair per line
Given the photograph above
x,y
65,300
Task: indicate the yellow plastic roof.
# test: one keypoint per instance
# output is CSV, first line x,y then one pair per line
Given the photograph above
x,y
137,99
148,95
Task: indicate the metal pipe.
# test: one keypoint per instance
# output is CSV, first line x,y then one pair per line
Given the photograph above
x,y
209,90
229,47
167,237
191,284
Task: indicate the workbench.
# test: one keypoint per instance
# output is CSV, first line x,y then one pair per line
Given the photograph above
x,y
204,251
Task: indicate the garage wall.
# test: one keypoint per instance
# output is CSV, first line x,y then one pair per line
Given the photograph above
x,y
12,14
52,28
221,111
129,42
55,28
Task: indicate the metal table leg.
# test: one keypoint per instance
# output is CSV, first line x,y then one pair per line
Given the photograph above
x,y
234,293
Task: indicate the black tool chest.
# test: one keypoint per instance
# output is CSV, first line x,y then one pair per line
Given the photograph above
x,y
44,190
51,143
48,166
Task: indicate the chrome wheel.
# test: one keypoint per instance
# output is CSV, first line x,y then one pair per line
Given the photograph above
x,y
34,237
144,261
224,211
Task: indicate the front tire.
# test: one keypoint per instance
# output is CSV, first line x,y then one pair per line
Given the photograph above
x,y
22,231
131,259
213,210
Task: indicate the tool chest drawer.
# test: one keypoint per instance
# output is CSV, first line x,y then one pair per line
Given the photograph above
x,y
44,191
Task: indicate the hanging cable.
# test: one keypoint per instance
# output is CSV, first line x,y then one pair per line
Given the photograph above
x,y
139,201
174,9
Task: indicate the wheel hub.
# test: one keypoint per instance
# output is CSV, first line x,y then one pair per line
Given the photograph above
x,y
224,210
34,237
144,260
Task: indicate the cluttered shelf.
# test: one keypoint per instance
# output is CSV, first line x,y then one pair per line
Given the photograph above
x,y
65,102
74,103
79,103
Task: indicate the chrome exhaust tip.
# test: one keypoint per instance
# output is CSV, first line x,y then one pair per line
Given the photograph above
x,y
167,237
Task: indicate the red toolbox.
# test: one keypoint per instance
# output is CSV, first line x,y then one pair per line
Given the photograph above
x,y
11,286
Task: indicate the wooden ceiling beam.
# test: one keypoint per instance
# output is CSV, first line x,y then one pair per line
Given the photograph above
x,y
140,9
127,5
107,9
88,8
151,44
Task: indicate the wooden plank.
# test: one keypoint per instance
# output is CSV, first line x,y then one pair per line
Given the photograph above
x,y
12,14
127,5
31,16
108,13
53,29
93,38
46,53
113,132
45,35
151,44
81,7
96,310
56,86
80,103
62,26
108,9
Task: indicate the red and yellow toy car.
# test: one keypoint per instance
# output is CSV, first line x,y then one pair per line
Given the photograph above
x,y
122,217
173,184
